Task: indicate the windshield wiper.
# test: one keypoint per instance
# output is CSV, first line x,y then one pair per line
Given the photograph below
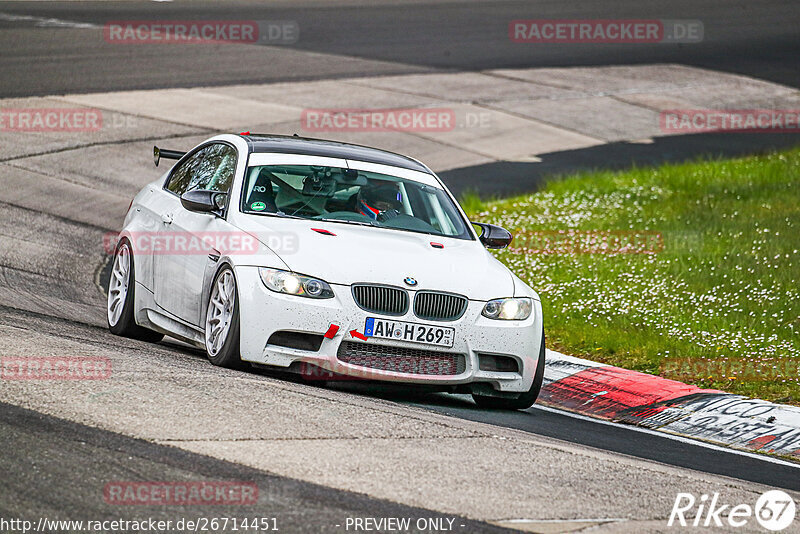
x,y
275,214
360,223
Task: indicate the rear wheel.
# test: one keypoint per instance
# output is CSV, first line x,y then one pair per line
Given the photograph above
x,y
121,288
222,321
526,399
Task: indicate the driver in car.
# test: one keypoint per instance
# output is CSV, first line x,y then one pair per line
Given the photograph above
x,y
380,202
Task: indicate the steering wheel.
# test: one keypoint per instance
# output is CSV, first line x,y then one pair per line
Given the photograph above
x,y
386,215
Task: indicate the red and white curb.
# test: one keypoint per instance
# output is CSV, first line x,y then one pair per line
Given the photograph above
x,y
620,395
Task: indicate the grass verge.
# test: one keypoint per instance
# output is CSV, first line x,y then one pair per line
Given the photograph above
x,y
689,271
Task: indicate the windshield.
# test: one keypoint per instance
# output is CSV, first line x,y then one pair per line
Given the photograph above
x,y
350,196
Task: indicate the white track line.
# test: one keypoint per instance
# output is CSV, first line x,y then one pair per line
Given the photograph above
x,y
43,22
675,437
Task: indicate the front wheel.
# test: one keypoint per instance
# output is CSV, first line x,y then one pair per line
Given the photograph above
x,y
222,321
526,399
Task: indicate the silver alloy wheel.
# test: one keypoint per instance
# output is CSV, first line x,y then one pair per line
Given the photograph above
x,y
220,312
118,287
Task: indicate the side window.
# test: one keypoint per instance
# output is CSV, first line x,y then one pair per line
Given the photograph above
x,y
223,159
211,168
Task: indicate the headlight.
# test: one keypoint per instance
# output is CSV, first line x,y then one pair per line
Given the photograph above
x,y
295,284
508,309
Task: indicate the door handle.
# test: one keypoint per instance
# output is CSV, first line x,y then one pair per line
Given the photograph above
x,y
166,218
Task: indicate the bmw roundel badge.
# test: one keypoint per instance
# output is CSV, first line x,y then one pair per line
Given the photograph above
x,y
410,281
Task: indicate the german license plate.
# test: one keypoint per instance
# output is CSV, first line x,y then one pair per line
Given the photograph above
x,y
412,332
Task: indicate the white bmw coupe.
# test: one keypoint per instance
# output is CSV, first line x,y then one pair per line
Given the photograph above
x,y
327,259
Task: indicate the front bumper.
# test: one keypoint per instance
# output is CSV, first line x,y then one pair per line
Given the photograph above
x,y
263,312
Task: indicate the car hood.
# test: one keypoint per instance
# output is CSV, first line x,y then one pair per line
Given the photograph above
x,y
382,256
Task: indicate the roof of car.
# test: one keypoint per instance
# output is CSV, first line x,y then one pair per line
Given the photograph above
x,y
333,149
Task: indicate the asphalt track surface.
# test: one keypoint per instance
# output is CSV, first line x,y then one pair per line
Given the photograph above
x,y
759,40
615,438
353,38
59,469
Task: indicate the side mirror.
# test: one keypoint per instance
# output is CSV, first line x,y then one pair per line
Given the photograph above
x,y
493,236
202,201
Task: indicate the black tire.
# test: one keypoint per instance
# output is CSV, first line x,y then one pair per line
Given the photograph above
x,y
525,400
228,355
126,325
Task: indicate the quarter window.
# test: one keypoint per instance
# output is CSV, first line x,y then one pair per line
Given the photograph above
x,y
210,168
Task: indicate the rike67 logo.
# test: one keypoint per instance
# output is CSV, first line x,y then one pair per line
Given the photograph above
x,y
774,510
